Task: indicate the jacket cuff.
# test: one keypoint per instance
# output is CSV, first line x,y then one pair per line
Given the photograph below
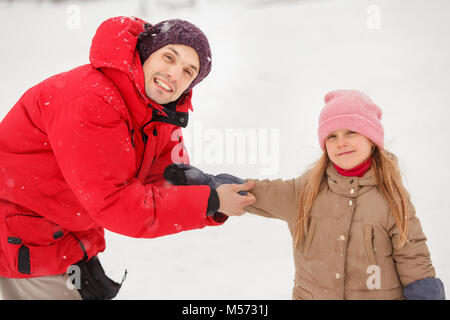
x,y
213,206
220,217
213,202
426,289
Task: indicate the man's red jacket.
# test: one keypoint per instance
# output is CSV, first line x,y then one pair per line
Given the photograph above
x,y
79,153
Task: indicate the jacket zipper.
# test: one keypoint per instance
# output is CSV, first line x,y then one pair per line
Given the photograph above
x,y
144,139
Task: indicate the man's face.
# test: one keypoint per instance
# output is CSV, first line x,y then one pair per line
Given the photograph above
x,y
169,71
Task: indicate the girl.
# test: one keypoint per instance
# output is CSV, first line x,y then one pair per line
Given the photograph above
x,y
355,232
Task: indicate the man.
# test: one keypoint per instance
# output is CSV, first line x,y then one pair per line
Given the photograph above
x,y
86,150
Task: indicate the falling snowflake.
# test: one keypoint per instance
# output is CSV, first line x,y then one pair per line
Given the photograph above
x,y
166,27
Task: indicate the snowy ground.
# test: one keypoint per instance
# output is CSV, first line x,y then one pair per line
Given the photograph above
x,y
272,65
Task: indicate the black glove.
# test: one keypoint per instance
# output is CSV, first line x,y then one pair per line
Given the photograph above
x,y
426,289
176,174
185,174
94,283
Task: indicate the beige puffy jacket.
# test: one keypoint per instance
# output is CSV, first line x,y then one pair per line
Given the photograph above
x,y
349,250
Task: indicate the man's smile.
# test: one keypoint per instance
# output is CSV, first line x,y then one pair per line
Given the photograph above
x,y
163,85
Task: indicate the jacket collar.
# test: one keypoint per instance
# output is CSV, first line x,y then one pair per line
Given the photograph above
x,y
349,186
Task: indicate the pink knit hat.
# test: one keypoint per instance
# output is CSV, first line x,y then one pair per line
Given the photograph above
x,y
351,110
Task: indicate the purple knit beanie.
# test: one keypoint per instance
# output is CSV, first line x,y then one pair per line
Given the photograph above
x,y
351,110
176,31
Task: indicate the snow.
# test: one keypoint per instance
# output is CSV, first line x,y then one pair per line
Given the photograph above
x,y
273,62
166,27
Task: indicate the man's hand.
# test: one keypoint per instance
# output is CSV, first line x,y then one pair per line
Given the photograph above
x,y
232,203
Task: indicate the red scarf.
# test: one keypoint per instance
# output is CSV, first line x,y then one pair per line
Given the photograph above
x,y
357,171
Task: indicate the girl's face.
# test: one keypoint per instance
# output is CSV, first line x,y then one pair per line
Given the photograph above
x,y
347,149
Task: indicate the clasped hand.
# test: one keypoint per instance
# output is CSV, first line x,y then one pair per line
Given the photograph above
x,y
231,202
233,192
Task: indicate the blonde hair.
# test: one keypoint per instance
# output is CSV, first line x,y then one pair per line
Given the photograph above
x,y
389,182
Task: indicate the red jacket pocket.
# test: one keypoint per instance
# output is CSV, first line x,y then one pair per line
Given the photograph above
x,y
34,246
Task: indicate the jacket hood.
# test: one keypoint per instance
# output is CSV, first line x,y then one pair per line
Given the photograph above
x,y
114,46
114,43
